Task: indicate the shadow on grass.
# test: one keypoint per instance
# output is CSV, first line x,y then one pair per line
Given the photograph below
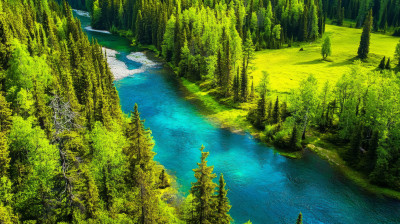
x,y
349,61
313,62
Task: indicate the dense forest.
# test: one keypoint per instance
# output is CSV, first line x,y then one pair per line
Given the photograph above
x,y
213,43
67,152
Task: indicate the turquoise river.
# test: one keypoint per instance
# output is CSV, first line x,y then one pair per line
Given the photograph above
x,y
263,186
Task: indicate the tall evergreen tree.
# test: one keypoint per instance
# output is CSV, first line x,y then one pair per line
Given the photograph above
x,y
244,92
300,219
388,66
223,205
203,191
382,63
275,112
363,49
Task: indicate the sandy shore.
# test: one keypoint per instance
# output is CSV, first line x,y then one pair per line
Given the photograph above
x,y
120,69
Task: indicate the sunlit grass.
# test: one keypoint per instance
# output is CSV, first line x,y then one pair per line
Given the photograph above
x,y
288,66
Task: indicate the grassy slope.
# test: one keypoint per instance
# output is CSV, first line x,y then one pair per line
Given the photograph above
x,y
287,67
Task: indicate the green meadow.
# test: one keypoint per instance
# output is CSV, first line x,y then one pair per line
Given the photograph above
x,y
288,66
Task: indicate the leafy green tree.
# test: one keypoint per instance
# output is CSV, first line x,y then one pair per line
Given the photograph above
x,y
363,49
34,166
203,191
326,48
304,102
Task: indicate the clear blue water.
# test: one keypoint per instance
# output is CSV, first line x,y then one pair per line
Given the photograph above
x,y
263,186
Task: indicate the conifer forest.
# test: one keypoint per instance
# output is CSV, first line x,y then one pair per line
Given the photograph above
x,y
199,111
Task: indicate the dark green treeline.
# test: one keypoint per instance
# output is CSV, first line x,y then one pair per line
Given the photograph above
x,y
67,153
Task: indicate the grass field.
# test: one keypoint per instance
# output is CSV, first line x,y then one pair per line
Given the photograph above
x,y
288,66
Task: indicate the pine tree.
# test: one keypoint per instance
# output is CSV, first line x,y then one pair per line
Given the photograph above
x,y
236,87
4,156
363,49
141,166
139,27
5,114
300,219
293,139
244,92
261,110
163,180
284,112
340,13
388,66
382,64
397,53
203,191
178,38
5,42
275,112
223,205
355,144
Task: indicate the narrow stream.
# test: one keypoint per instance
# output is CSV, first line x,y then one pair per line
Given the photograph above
x,y
263,186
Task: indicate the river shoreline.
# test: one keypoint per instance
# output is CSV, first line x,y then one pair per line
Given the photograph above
x,y
214,111
263,185
235,121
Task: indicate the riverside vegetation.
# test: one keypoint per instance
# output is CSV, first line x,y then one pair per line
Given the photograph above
x,y
67,153
219,46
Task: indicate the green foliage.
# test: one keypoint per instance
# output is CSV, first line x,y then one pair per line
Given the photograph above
x,y
34,166
223,205
382,63
397,53
363,49
203,191
326,48
300,219
303,102
66,154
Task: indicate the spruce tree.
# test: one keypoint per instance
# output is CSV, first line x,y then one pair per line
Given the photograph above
x,y
293,139
397,53
5,114
178,38
340,12
363,49
223,205
382,64
4,156
300,219
141,166
236,87
261,110
244,84
203,191
275,112
388,66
